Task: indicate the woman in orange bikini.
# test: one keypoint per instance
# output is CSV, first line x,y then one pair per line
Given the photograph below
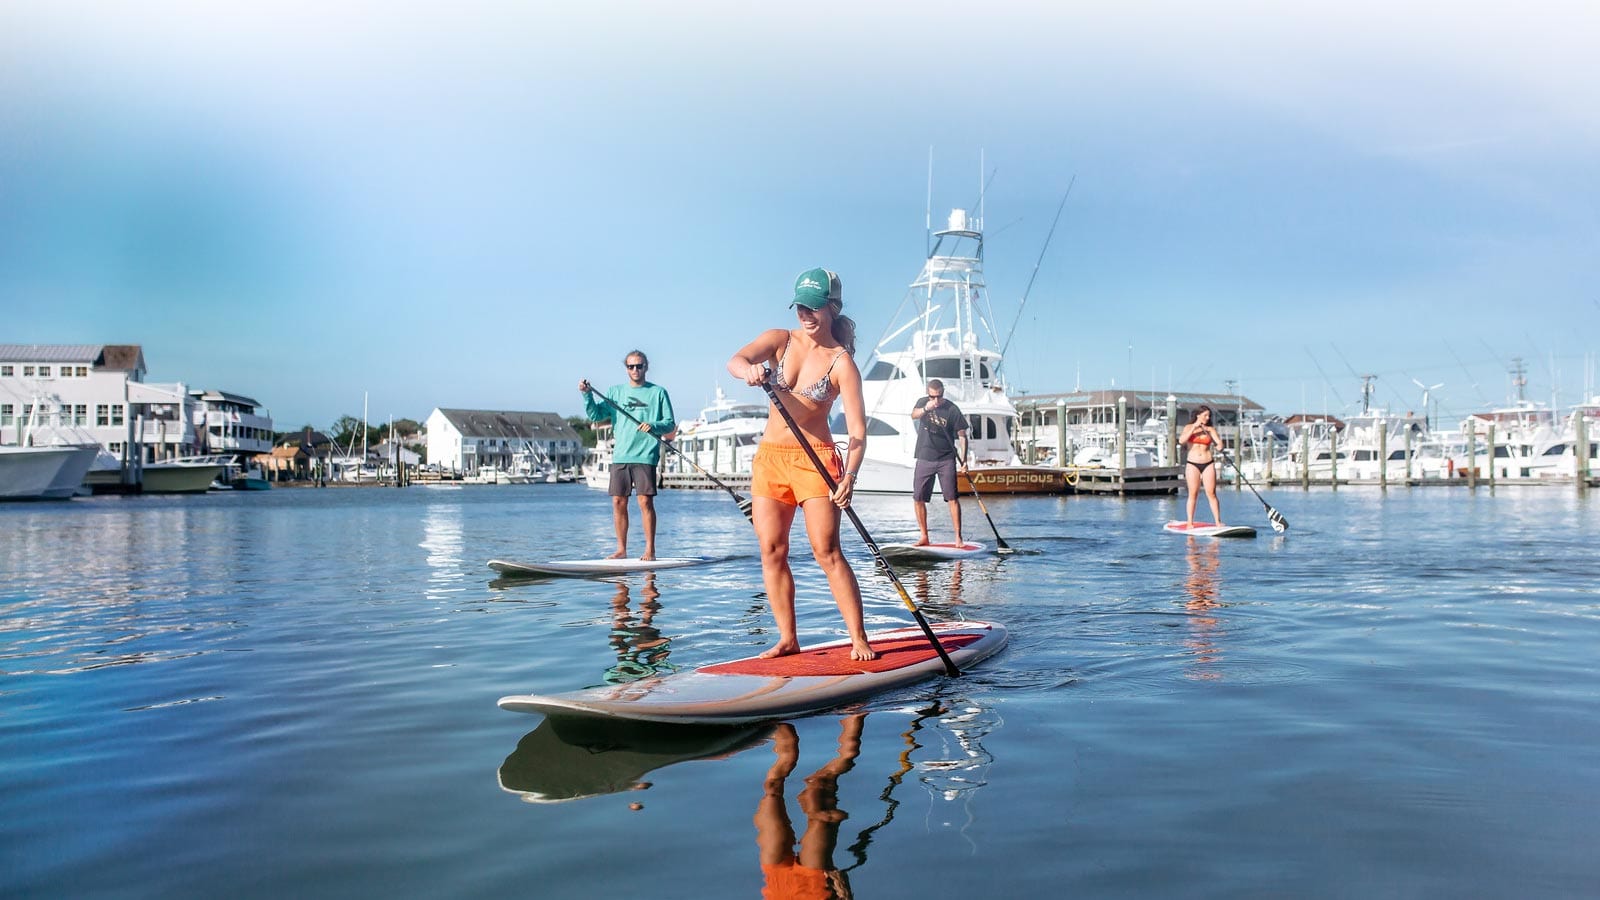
x,y
1199,468
813,365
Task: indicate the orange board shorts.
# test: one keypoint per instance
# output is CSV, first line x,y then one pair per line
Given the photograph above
x,y
787,475
789,880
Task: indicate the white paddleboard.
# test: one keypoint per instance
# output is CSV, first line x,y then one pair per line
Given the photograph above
x,y
593,566
1207,529
933,551
755,690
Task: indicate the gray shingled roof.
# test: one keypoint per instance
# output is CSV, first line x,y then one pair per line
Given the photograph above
x,y
111,356
493,423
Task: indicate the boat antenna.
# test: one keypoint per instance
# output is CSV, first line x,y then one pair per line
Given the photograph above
x,y
982,187
1036,263
927,215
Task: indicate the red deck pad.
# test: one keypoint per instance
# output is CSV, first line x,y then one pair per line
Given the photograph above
x,y
892,654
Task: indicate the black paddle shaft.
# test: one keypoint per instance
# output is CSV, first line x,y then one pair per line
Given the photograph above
x,y
1000,542
743,502
1279,523
905,596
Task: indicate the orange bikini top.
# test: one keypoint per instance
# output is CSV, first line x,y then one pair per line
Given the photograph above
x,y
1200,437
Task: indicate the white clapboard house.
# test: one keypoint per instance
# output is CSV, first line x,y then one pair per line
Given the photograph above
x,y
466,440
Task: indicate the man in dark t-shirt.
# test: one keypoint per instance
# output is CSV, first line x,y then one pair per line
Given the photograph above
x,y
941,441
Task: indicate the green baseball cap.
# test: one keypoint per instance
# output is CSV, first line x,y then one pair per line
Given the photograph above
x,y
816,288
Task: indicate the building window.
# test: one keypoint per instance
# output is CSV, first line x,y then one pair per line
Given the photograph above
x,y
102,415
44,371
27,371
83,372
7,414
116,414
115,447
80,414
7,371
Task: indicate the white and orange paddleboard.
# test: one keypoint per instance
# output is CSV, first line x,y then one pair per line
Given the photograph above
x,y
754,690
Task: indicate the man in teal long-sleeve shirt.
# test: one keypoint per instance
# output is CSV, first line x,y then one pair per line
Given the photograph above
x,y
640,414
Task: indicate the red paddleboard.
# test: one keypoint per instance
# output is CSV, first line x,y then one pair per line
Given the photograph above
x,y
754,690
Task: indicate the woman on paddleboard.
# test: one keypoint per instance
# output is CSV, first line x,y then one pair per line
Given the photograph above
x,y
1199,468
812,366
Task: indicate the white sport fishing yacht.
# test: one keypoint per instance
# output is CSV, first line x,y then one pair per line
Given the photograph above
x,y
723,439
952,338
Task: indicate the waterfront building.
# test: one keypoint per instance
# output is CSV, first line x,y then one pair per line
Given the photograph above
x,y
1078,421
229,423
96,393
466,440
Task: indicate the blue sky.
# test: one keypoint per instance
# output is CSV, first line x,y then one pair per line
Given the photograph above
x,y
476,204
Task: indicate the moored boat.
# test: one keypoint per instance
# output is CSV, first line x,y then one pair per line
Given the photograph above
x,y
949,340
44,473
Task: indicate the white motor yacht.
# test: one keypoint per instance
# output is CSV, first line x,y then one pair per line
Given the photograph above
x,y
949,339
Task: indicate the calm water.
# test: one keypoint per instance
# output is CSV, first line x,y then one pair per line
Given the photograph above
x,y
293,694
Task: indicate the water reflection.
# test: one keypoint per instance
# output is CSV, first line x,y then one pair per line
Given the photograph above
x,y
805,867
1204,590
939,588
954,769
569,759
640,647
942,748
116,584
443,538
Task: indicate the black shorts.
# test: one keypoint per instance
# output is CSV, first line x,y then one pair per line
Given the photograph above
x,y
922,479
629,477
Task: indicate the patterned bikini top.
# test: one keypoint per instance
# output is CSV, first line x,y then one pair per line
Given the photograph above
x,y
817,391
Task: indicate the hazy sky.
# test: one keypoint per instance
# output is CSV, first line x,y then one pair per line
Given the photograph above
x,y
475,204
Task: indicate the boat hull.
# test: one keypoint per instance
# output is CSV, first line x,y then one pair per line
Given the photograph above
x,y
883,477
43,473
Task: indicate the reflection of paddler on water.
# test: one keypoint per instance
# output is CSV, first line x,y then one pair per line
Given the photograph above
x,y
569,759
641,648
804,869
1202,585
925,580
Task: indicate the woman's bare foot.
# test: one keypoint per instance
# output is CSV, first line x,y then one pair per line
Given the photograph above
x,y
921,542
620,554
861,650
648,555
783,648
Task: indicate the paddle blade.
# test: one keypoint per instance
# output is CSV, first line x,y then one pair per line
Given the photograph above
x,y
1279,523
